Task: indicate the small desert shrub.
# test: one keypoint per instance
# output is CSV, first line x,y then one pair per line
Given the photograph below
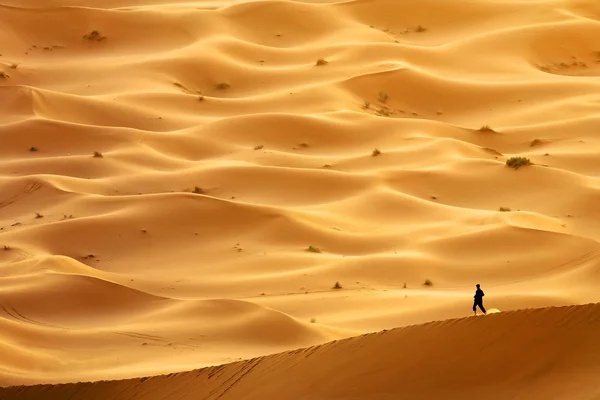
x,y
376,152
97,154
428,282
259,147
313,320
94,35
305,145
337,286
4,75
504,209
383,97
200,98
420,29
33,148
367,104
313,249
223,86
198,190
535,142
486,128
320,62
38,215
14,66
6,248
384,112
517,162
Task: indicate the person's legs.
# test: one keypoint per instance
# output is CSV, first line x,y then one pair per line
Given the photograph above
x,y
481,307
475,307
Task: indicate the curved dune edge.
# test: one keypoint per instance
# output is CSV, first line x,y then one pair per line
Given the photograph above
x,y
547,352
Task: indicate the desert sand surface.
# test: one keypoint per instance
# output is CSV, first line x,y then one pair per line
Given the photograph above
x,y
544,353
182,183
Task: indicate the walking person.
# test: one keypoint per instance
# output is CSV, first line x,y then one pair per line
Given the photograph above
x,y
478,300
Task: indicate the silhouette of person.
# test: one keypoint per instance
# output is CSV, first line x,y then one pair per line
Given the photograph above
x,y
478,300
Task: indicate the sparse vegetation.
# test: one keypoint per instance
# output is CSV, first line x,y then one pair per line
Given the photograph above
x,y
38,215
198,190
384,112
33,148
428,282
200,98
321,61
259,147
504,209
367,104
223,86
313,320
6,248
313,249
305,145
97,154
535,142
518,162
14,66
337,286
486,128
420,29
376,152
383,97
94,35
4,75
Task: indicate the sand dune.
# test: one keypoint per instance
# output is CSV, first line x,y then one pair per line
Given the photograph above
x,y
182,183
555,349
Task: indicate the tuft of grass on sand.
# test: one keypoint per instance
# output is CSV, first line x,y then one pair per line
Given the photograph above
x,y
518,162
536,142
313,249
94,35
259,147
33,148
486,128
198,190
97,154
420,29
366,105
504,209
4,75
223,86
383,97
428,282
6,248
38,215
337,286
376,152
321,62
313,320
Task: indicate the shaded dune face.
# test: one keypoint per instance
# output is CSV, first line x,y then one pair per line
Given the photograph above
x,y
183,183
555,349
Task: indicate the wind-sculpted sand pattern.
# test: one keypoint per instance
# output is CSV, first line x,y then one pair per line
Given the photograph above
x,y
183,183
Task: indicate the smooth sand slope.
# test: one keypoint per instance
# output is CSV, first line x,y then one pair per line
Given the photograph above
x,y
548,353
224,149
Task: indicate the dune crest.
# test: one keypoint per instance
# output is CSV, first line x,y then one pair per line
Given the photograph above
x,y
187,183
555,348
